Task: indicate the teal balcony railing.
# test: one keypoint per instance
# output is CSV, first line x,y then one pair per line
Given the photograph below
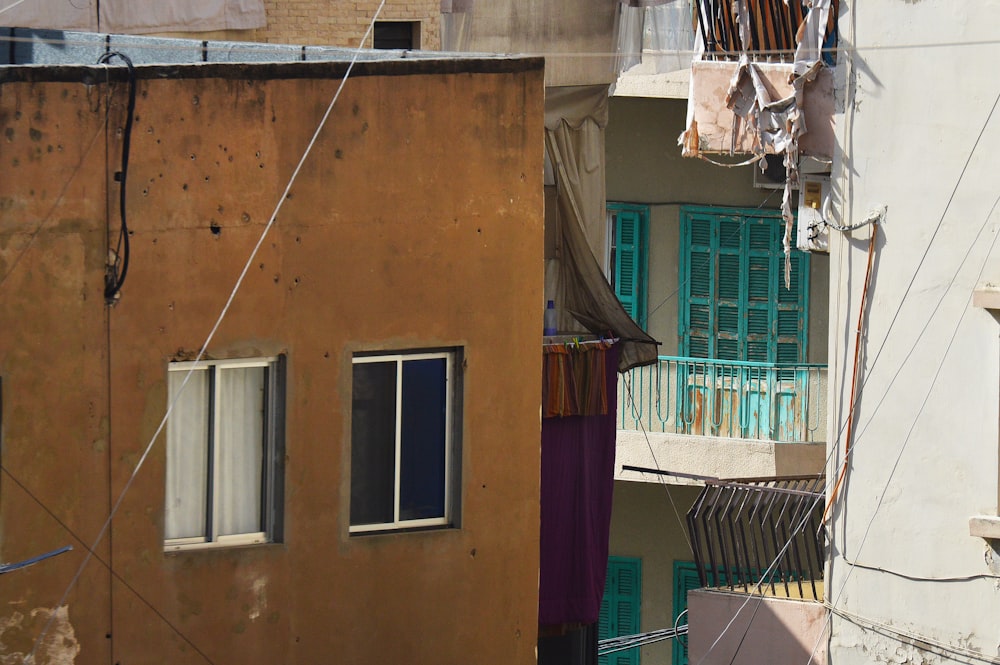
x,y
725,398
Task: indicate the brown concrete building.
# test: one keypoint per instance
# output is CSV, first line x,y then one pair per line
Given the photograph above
x,y
404,268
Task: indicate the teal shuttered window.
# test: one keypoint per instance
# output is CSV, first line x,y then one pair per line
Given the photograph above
x,y
620,607
733,300
685,579
628,233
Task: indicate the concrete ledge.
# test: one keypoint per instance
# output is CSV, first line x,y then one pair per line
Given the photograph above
x,y
985,526
986,295
641,82
716,457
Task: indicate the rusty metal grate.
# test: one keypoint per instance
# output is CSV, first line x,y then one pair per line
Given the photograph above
x,y
760,530
774,25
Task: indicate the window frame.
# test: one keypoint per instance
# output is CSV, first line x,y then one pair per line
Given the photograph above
x,y
611,617
451,443
636,269
746,258
272,454
685,580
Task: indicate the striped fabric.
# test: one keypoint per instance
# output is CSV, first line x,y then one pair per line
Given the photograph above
x,y
574,379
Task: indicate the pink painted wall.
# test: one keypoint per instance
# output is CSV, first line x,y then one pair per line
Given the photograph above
x,y
781,630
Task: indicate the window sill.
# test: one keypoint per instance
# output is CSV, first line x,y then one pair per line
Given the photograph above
x,y
356,532
225,542
985,526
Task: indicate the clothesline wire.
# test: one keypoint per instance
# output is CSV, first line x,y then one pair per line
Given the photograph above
x,y
902,300
930,386
706,55
34,497
913,346
660,478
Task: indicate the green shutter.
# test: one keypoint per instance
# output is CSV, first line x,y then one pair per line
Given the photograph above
x,y
685,579
630,229
620,607
698,267
733,303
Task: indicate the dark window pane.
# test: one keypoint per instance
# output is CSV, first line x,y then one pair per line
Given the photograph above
x,y
422,476
373,443
393,35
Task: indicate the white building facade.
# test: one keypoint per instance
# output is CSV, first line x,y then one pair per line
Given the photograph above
x,y
914,568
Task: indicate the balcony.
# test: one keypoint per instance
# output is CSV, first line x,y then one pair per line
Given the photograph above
x,y
762,537
722,418
782,41
724,398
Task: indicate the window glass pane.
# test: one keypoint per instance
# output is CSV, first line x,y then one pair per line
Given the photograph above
x,y
240,450
424,423
187,456
373,443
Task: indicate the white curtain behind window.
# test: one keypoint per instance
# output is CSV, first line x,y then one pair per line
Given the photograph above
x,y
187,456
239,450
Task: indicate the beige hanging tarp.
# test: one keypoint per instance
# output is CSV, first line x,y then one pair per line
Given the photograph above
x,y
135,16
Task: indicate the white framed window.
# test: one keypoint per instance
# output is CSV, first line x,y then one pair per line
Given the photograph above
x,y
404,452
225,453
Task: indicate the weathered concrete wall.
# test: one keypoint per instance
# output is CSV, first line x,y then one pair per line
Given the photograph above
x,y
925,457
416,222
344,23
644,525
55,427
575,36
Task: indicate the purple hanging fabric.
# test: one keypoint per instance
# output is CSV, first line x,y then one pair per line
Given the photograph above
x,y
578,459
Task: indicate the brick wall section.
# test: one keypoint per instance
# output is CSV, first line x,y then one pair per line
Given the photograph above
x,y
340,23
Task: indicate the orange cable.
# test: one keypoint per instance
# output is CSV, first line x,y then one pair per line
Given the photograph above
x,y
854,378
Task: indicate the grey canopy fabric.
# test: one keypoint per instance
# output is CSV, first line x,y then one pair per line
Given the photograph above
x,y
574,131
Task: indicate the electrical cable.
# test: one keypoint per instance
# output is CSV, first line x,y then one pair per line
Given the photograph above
x,y
682,284
920,578
874,217
625,642
902,300
11,567
101,561
11,6
930,387
885,394
756,593
117,271
924,46
921,642
862,310
920,410
728,56
195,364
662,480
